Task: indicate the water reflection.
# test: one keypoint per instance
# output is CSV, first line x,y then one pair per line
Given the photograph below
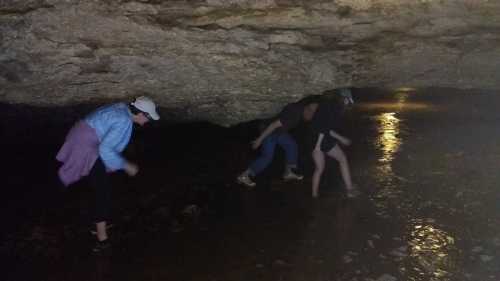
x,y
405,90
432,251
388,141
388,126
400,101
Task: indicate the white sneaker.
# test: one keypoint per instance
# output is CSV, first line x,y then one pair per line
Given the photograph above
x,y
292,176
246,180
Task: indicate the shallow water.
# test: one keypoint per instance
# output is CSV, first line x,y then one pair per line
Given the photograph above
x,y
426,161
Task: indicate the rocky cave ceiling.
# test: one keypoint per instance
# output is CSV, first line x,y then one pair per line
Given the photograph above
x,y
227,61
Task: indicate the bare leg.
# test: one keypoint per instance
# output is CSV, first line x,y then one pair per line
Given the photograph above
x,y
319,167
339,155
102,233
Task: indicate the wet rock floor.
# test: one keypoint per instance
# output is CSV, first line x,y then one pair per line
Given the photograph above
x,y
426,161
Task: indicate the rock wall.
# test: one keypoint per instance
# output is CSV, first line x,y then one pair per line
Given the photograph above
x,y
228,61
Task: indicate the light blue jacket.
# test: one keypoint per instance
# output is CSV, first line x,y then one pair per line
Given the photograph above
x,y
113,126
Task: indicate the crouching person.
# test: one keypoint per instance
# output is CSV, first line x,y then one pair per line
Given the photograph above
x,y
93,148
325,123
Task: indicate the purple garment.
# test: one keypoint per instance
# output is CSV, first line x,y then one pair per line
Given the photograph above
x,y
78,153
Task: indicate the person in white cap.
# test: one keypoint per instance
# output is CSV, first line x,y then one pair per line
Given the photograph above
x,y
93,148
325,126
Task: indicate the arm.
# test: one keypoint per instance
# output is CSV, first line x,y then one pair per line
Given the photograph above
x,y
342,139
319,141
111,158
273,126
109,154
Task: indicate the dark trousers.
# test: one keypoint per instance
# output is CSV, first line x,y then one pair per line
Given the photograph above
x,y
100,182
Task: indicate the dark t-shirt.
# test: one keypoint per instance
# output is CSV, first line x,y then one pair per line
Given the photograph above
x,y
326,118
290,117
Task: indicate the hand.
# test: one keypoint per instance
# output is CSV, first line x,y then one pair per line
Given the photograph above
x,y
346,141
256,143
131,169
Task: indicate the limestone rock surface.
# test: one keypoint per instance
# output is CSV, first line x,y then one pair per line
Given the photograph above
x,y
228,61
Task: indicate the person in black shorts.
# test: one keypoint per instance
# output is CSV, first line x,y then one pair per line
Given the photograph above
x,y
324,123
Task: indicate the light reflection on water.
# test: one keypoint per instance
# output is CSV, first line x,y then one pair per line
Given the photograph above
x,y
432,252
388,128
388,141
391,129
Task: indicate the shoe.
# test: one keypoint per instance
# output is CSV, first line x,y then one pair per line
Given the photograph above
x,y
101,246
292,176
246,180
108,226
353,193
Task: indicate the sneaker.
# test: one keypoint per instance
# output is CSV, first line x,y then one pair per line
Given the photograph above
x,y
292,176
246,180
101,246
353,193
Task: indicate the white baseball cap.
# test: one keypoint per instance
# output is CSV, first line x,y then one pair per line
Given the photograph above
x,y
147,106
